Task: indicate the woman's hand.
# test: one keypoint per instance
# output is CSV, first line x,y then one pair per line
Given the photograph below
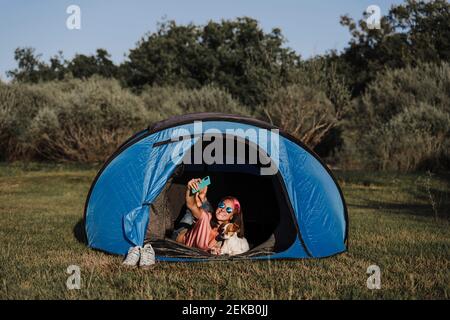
x,y
200,196
193,184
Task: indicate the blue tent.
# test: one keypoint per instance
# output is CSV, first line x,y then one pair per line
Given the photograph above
x,y
292,204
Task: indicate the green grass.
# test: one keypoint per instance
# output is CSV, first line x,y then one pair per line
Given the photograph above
x,y
398,222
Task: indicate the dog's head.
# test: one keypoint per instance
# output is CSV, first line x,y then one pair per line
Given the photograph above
x,y
226,231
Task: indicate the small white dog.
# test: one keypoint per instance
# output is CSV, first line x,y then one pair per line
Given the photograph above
x,y
232,244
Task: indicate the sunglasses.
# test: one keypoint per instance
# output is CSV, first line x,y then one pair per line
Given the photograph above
x,y
228,209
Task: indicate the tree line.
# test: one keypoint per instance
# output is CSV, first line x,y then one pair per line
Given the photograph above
x,y
319,99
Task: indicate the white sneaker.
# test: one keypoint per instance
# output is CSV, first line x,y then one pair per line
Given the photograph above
x,y
132,257
147,256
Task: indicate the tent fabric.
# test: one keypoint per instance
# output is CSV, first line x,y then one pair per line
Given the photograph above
x,y
118,205
123,194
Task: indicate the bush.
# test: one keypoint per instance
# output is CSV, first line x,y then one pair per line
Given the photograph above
x,y
18,107
86,120
402,122
74,120
409,141
169,101
321,74
304,112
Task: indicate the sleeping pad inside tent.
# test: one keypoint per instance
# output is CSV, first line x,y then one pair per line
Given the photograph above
x,y
296,210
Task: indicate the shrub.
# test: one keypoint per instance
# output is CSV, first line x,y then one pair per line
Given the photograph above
x,y
72,120
321,73
18,107
402,122
169,101
411,140
86,120
304,112
96,116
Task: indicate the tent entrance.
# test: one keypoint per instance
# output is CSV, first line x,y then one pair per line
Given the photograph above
x,y
268,222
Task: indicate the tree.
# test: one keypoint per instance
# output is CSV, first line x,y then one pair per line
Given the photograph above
x,y
30,66
234,54
31,69
416,31
83,66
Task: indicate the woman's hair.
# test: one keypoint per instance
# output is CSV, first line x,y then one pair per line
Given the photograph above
x,y
237,216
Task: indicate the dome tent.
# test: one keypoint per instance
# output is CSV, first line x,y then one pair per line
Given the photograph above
x,y
294,211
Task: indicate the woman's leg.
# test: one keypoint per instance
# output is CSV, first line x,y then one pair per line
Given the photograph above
x,y
185,224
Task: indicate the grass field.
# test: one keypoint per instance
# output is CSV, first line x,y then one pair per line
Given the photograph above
x,y
398,222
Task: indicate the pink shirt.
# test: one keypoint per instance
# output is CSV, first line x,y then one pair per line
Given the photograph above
x,y
201,235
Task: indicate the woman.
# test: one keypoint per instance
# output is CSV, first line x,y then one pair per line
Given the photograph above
x,y
204,230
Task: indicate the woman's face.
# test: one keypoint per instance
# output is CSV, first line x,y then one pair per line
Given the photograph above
x,y
222,215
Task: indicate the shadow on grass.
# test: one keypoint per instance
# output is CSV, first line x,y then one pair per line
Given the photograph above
x,y
412,209
422,210
79,232
428,199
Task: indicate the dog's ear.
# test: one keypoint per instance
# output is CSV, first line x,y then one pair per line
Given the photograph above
x,y
234,227
223,227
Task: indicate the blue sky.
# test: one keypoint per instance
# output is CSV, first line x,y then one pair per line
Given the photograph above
x,y
311,27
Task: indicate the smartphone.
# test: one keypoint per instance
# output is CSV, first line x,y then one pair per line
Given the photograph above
x,y
205,182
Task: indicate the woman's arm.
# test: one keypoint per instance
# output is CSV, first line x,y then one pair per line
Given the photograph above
x,y
194,202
